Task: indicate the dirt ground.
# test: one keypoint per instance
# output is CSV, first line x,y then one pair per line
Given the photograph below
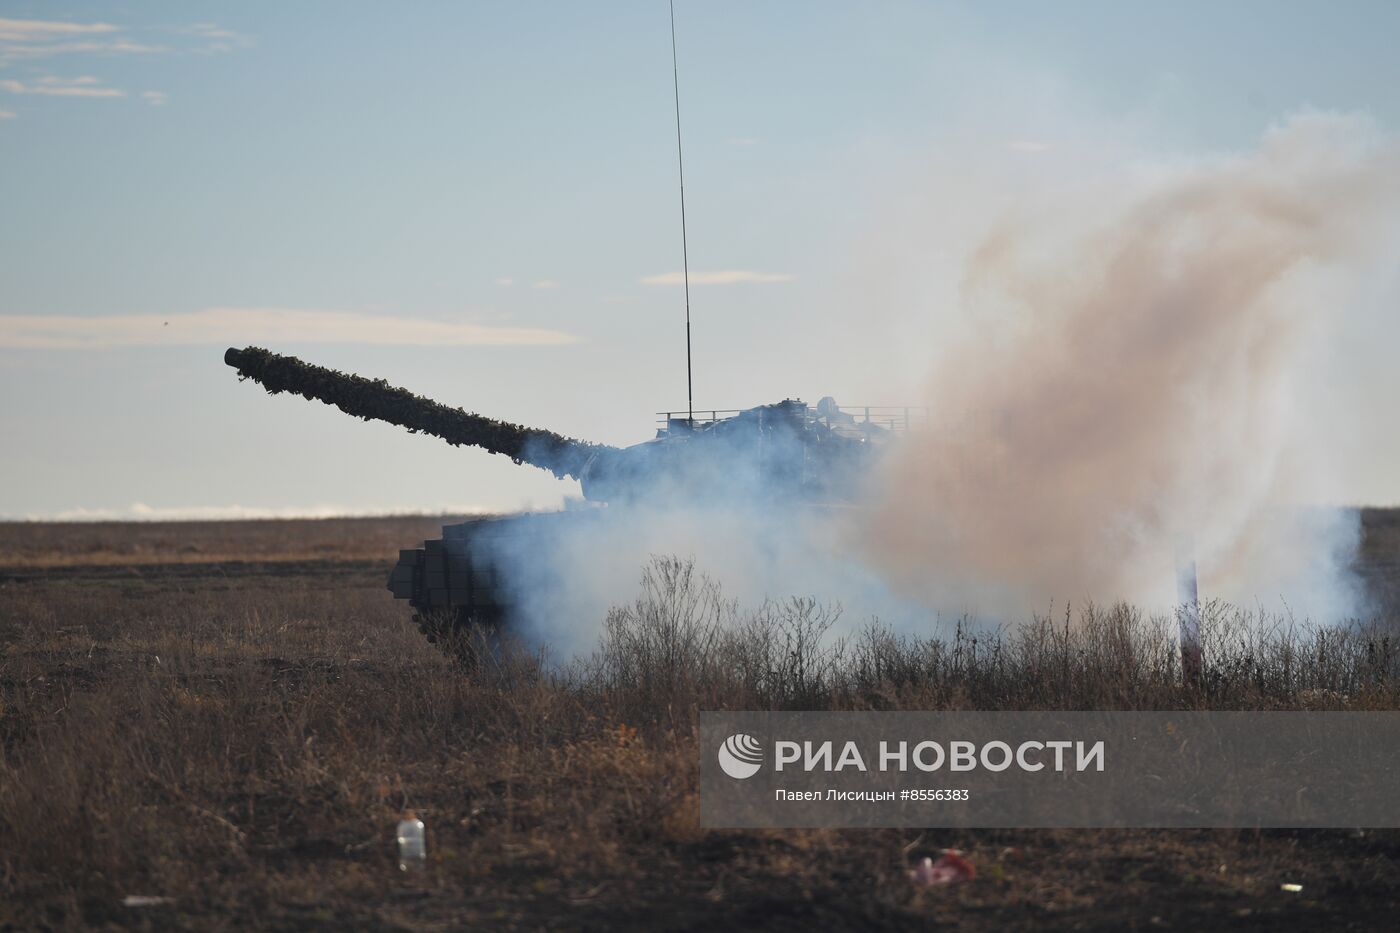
x,y
232,716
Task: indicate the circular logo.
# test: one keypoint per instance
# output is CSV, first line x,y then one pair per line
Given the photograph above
x,y
740,756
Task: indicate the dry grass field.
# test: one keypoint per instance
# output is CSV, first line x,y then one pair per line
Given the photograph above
x,y
232,716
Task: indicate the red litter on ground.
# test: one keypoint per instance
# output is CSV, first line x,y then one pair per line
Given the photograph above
x,y
951,868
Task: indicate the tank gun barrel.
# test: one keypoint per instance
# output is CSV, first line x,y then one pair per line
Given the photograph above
x,y
375,399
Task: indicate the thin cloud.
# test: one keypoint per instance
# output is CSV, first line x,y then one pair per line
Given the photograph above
x,y
725,277
37,38
505,282
545,283
38,30
1027,145
155,98
14,51
216,37
742,141
29,39
85,86
212,31
258,325
7,114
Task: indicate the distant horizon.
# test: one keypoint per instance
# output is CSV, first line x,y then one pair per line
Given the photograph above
x,y
241,514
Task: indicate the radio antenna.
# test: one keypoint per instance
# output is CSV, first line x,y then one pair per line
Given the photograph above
x,y
685,250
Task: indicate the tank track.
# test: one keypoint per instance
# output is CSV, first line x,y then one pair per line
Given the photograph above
x,y
454,593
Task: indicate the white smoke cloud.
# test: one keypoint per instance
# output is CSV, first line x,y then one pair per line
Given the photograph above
x,y
564,571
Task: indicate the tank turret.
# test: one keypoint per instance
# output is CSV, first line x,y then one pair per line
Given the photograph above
x,y
784,450
474,577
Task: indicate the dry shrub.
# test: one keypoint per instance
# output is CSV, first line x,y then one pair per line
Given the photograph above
x,y
247,750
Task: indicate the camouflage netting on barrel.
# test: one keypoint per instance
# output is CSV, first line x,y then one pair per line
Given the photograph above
x,y
375,399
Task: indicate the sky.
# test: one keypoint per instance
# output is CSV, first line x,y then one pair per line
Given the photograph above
x,y
478,201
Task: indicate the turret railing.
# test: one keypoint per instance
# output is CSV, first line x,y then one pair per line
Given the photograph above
x,y
898,419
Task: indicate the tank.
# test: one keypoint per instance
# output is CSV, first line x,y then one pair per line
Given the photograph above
x,y
786,452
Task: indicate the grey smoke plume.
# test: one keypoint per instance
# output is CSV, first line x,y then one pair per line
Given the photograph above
x,y
1135,374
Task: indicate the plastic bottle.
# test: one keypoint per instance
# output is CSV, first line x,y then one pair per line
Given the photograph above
x,y
413,844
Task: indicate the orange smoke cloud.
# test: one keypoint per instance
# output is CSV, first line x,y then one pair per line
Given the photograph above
x,y
1134,381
